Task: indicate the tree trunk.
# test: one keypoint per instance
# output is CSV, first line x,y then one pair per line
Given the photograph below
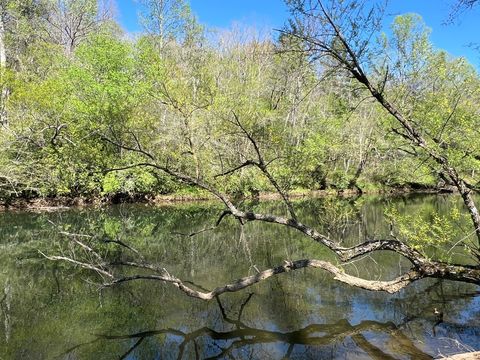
x,y
3,65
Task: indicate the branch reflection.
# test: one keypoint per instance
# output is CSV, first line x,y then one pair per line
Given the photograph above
x,y
242,336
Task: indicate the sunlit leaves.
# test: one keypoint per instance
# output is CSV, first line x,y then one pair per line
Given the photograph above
x,y
431,232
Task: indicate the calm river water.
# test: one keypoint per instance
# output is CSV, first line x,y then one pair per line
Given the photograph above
x,y
51,310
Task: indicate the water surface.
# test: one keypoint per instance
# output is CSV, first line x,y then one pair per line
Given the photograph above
x,y
51,310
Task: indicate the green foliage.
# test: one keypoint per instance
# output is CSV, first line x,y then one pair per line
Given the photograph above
x,y
176,99
431,232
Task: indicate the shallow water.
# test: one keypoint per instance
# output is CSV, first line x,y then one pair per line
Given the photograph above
x,y
51,310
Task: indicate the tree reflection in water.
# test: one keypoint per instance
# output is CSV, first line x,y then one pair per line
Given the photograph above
x,y
243,336
46,308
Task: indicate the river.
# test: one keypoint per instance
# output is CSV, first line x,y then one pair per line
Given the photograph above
x,y
53,310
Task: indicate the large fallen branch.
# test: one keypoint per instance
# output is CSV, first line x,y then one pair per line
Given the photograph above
x,y
391,286
344,253
421,270
337,47
422,265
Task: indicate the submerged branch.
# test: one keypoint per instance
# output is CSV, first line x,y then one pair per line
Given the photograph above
x,y
79,263
209,228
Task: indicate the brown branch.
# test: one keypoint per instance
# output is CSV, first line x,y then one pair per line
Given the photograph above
x,y
121,243
217,223
180,177
146,266
228,172
346,56
263,168
138,149
438,138
73,237
391,286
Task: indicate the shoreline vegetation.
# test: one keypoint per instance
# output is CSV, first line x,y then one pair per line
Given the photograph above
x,y
65,202
107,118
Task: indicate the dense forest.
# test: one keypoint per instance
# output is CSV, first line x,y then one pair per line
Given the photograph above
x,y
80,98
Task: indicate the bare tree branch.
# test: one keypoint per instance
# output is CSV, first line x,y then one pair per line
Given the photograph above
x,y
420,262
79,263
263,167
391,286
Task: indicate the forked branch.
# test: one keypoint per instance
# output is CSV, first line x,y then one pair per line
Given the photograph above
x,y
261,165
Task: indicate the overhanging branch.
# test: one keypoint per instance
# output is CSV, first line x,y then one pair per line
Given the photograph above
x,y
391,286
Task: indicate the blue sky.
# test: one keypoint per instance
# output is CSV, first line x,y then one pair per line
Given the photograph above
x,y
273,13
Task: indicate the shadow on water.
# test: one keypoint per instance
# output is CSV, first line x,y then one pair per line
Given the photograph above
x,y
241,336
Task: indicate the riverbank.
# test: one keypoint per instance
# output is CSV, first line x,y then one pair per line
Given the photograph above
x,y
59,203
